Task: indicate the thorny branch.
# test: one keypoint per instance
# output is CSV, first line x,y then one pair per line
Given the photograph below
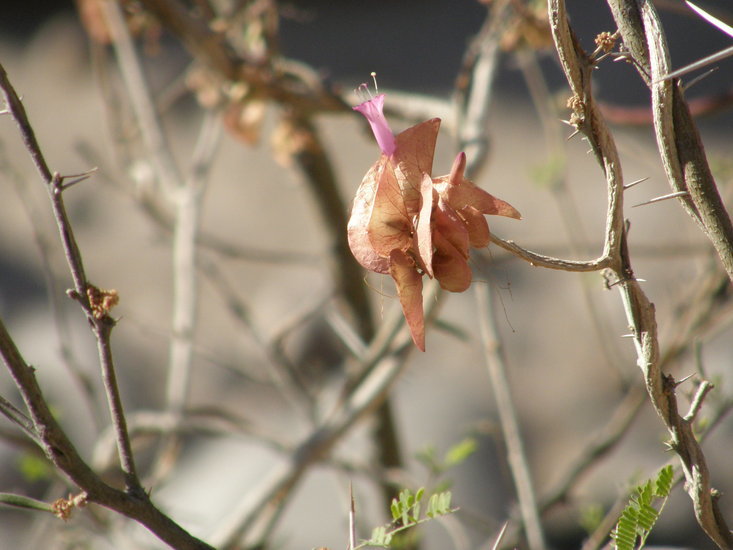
x,y
83,291
678,140
134,501
640,311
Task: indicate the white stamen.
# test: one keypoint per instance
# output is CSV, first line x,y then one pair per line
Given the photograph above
x,y
363,92
374,78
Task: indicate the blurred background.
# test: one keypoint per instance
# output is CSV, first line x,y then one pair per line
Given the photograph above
x,y
567,375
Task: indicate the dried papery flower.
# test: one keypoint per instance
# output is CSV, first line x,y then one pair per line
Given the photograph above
x,y
406,223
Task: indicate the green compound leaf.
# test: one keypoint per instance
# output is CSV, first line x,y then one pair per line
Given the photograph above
x,y
405,510
646,518
663,484
439,504
395,510
640,515
380,537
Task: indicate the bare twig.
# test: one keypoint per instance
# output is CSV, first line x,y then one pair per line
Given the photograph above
x,y
696,404
17,416
61,452
55,292
509,422
540,260
598,446
188,200
384,361
134,501
475,86
352,519
156,143
101,324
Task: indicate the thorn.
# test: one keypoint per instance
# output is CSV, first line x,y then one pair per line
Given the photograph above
x,y
352,519
637,182
727,29
698,78
683,380
78,178
621,56
66,185
663,198
628,336
601,58
571,136
500,536
722,54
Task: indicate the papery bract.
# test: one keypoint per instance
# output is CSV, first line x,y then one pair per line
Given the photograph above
x,y
406,223
388,199
409,288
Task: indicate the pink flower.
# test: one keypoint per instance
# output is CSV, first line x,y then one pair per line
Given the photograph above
x,y
372,110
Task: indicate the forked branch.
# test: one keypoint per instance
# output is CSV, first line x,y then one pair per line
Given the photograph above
x,y
640,311
133,502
